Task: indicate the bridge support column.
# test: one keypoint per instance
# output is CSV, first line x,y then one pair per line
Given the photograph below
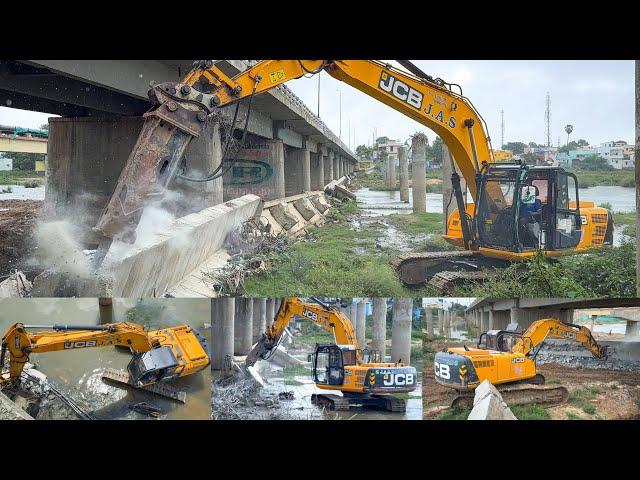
x,y
428,313
404,175
267,156
317,168
441,322
243,326
259,318
379,326
361,323
203,156
336,168
419,188
328,172
222,330
632,331
391,167
271,311
401,330
295,170
306,170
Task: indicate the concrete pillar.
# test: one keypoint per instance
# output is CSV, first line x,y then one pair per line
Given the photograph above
x,y
483,322
259,318
222,330
270,181
243,334
203,155
379,326
328,172
632,330
105,306
306,170
490,320
401,330
271,312
514,314
446,184
419,186
318,172
361,323
404,175
392,171
429,317
441,322
336,168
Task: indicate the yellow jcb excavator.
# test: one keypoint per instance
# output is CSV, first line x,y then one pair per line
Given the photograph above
x,y
364,380
516,209
158,355
508,360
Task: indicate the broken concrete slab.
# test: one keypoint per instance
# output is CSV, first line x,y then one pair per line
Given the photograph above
x,y
15,286
488,404
320,202
282,214
305,208
253,373
282,358
342,193
10,411
175,252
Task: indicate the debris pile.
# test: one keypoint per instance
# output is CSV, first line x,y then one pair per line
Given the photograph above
x,y
15,285
572,355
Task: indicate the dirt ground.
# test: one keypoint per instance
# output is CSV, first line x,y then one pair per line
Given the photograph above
x,y
614,394
17,219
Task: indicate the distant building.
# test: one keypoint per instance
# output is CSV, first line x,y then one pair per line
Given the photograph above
x,y
617,154
543,155
566,159
6,163
391,147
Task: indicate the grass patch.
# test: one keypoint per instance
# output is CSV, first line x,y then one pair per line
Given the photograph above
x,y
416,223
589,178
20,177
295,370
581,398
573,416
454,413
627,221
554,381
530,412
636,399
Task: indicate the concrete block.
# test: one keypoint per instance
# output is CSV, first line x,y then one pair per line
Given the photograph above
x,y
10,411
320,203
488,404
175,252
282,358
305,207
281,214
16,286
341,193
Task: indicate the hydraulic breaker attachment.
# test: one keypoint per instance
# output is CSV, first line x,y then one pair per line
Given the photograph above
x,y
153,162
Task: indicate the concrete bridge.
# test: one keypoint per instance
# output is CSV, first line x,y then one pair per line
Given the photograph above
x,y
101,103
490,314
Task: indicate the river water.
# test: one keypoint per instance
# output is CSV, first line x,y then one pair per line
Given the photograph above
x,y
77,373
622,199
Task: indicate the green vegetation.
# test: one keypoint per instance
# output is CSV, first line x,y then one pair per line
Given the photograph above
x,y
416,223
295,370
607,272
454,413
627,221
20,177
636,399
530,412
573,416
312,334
581,397
592,178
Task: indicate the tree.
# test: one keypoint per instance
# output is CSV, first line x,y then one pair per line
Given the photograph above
x,y
516,147
44,126
25,161
573,145
380,140
595,163
364,152
435,151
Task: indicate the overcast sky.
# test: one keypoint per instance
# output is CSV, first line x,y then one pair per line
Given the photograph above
x,y
596,97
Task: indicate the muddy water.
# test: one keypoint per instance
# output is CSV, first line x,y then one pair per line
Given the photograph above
x,y
77,373
302,386
19,192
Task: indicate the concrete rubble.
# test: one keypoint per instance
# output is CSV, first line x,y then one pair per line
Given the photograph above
x,y
622,356
15,286
282,214
488,404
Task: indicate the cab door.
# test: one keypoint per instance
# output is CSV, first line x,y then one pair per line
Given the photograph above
x,y
328,366
567,229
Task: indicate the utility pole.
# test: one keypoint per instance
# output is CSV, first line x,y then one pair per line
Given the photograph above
x,y
547,119
319,94
340,93
502,129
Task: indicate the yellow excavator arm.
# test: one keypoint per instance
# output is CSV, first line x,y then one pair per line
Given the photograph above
x,y
327,317
540,330
170,352
182,109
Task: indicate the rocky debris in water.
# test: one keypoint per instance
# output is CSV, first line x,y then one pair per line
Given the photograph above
x,y
285,395
15,285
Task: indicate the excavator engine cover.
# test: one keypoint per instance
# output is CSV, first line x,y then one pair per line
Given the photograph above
x,y
390,379
455,371
153,366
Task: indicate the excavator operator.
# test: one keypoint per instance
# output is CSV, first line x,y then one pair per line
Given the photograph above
x,y
530,215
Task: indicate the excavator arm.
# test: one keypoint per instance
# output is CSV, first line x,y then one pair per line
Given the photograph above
x,y
327,317
20,343
181,111
540,330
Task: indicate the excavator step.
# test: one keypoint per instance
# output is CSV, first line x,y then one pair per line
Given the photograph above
x,y
162,389
417,268
387,403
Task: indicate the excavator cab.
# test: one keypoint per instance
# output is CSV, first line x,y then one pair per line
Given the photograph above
x,y
523,208
329,361
158,364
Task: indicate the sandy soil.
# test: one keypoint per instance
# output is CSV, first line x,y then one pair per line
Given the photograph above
x,y
17,219
615,392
